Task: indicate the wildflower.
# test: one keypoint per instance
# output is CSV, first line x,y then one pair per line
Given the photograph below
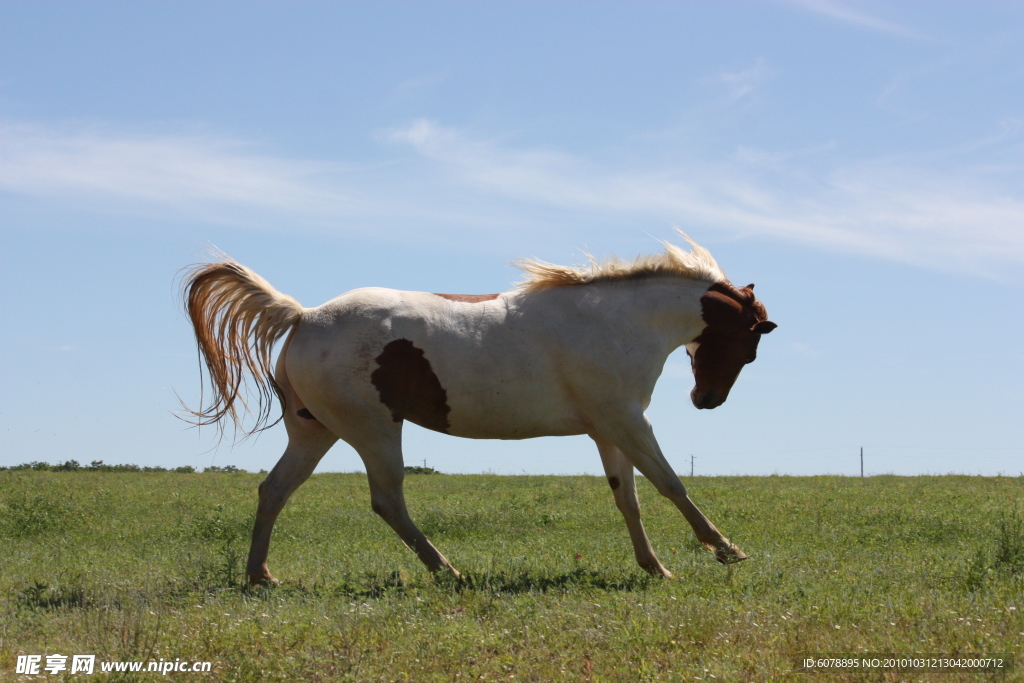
x,y
579,557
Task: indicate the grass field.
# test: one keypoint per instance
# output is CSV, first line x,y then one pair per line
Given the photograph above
x,y
143,566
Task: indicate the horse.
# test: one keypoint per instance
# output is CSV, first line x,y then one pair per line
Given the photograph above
x,y
570,350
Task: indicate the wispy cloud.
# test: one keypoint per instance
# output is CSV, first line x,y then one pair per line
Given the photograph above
x,y
846,14
885,208
957,211
745,82
186,172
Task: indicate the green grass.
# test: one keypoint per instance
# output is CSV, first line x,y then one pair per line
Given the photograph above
x,y
132,566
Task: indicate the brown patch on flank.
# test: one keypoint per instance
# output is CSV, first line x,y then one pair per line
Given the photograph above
x,y
735,321
409,388
468,298
305,414
613,482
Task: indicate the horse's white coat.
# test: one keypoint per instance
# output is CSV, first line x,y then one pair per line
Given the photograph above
x,y
560,361
571,356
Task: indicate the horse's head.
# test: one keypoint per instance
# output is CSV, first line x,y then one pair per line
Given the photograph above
x,y
735,321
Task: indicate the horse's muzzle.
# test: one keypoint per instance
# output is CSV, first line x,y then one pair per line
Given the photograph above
x,y
706,400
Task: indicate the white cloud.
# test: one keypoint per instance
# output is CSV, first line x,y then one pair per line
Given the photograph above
x,y
952,210
846,14
893,209
743,83
186,172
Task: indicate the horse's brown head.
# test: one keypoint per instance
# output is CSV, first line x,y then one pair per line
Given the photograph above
x,y
735,321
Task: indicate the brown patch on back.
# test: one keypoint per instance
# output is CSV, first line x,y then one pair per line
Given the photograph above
x,y
468,298
613,482
409,388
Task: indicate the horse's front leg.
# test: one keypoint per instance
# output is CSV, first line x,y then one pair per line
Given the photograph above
x,y
635,438
620,477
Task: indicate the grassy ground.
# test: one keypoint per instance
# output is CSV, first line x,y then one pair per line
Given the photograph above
x,y
132,566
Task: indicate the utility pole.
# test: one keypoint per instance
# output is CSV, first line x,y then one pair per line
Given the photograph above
x,y
861,462
691,464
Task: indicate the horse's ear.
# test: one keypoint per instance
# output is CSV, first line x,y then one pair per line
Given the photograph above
x,y
751,286
763,327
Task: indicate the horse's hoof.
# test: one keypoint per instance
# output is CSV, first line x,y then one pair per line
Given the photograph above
x,y
262,580
730,555
657,570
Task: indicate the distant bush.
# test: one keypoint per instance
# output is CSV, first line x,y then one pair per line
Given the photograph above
x,y
40,466
421,470
100,466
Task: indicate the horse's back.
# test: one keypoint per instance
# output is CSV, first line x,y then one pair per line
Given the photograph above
x,y
465,366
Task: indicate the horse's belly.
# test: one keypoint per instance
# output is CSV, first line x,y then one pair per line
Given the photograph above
x,y
500,416
498,426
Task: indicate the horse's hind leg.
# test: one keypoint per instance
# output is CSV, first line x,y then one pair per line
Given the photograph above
x,y
620,478
385,469
308,441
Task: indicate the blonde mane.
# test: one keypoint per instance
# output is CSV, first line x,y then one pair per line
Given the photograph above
x,y
696,264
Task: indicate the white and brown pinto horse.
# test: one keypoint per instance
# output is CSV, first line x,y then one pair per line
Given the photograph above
x,y
572,350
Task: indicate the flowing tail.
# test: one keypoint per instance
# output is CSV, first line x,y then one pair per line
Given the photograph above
x,y
237,317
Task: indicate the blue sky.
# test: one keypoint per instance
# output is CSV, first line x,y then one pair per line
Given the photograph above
x,y
862,163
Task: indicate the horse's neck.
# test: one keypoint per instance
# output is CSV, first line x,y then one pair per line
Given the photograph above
x,y
665,309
